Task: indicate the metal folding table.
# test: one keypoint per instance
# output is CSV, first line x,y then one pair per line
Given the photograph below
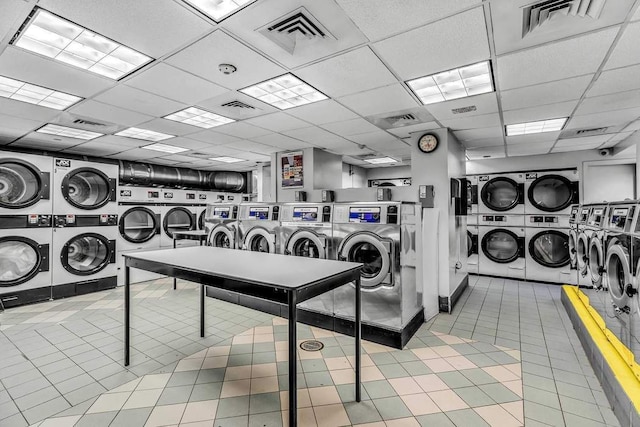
x,y
198,235
279,278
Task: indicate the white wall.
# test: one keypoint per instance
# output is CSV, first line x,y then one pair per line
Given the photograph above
x,y
610,182
390,172
353,176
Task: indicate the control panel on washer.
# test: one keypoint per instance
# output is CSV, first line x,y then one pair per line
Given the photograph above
x,y
358,214
621,218
305,214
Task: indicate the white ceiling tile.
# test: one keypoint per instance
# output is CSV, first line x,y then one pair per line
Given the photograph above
x,y
627,50
484,121
215,105
382,18
97,148
46,141
281,141
139,154
180,158
351,72
169,82
229,150
326,111
18,124
120,141
616,139
28,111
529,150
315,136
485,153
484,142
484,104
140,101
618,80
376,140
482,133
632,126
533,138
184,143
13,16
437,47
169,127
242,130
554,61
246,145
26,66
618,101
203,57
608,118
566,148
109,113
350,127
598,139
9,135
142,25
277,122
636,15
212,137
352,150
545,93
542,112
406,131
375,101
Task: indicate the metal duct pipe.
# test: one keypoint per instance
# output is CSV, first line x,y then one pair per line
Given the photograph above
x,y
227,181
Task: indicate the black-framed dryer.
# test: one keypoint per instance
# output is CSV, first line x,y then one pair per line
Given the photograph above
x,y
84,188
548,256
25,184
501,194
501,245
551,192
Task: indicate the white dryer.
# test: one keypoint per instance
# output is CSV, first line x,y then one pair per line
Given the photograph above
x,y
221,219
502,245
25,184
503,193
548,256
178,213
472,194
472,249
551,192
258,225
81,187
620,261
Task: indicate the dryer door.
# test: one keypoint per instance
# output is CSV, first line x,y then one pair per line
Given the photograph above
x,y
178,219
502,246
21,184
88,188
550,248
501,194
139,225
372,251
21,259
552,193
259,239
222,236
307,244
87,254
618,273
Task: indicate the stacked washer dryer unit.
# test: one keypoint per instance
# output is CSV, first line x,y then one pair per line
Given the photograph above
x,y
221,220
139,227
596,247
501,234
25,229
178,213
382,236
550,195
258,225
85,229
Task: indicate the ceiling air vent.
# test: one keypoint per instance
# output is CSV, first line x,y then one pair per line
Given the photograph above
x,y
593,131
539,14
464,109
238,104
295,31
402,119
88,123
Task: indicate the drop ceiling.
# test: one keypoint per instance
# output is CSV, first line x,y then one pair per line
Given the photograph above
x,y
584,68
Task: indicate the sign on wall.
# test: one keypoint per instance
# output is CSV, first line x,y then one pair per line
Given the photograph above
x,y
292,170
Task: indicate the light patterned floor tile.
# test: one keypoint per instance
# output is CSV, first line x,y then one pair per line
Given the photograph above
x,y
109,402
331,415
165,415
430,382
403,422
324,396
404,386
447,400
236,388
200,411
420,404
497,416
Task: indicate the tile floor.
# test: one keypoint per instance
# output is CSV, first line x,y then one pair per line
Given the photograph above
x,y
68,364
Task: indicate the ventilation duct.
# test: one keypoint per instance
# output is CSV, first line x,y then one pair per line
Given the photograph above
x,y
296,31
238,104
540,13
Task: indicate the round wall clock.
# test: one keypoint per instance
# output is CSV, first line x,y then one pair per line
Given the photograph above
x,y
428,143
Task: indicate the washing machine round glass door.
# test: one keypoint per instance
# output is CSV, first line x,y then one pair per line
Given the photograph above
x,y
500,194
369,250
551,193
221,237
470,245
86,254
501,245
20,184
201,223
618,273
596,260
550,248
573,258
259,240
86,188
306,244
178,219
138,225
20,260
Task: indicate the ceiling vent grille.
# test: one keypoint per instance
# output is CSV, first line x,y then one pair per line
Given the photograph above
x,y
463,110
88,123
238,104
593,131
538,14
296,31
403,118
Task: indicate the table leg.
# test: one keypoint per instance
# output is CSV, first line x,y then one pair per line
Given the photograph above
x,y
127,315
293,360
202,291
175,281
357,339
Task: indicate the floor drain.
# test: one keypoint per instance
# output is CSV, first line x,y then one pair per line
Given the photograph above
x,y
311,345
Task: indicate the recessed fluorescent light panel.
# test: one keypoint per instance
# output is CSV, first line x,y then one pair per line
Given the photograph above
x,y
381,160
284,92
147,135
218,9
197,117
453,84
62,40
68,132
536,127
33,94
226,159
165,148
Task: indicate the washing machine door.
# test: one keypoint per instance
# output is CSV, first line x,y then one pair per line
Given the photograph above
x,y
618,273
222,236
550,248
573,238
88,188
259,239
21,184
201,222
87,254
596,260
308,244
472,243
372,251
178,219
21,259
502,246
582,253
501,194
139,225
552,193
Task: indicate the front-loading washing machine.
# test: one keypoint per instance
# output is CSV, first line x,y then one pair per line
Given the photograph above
x,y
595,249
502,245
221,219
502,193
472,249
622,252
84,253
551,192
81,187
25,259
574,216
548,255
582,246
472,194
381,236
25,184
204,199
258,225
